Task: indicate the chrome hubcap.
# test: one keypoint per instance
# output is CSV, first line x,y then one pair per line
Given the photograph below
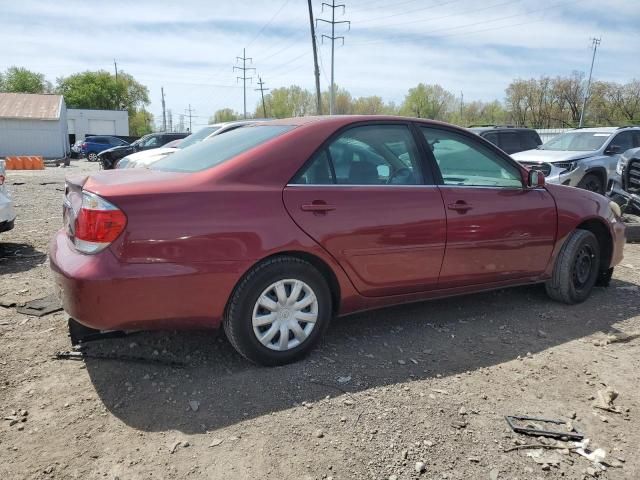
x,y
285,314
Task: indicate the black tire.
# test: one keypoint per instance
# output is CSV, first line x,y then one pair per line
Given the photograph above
x,y
237,321
577,268
632,224
592,182
92,156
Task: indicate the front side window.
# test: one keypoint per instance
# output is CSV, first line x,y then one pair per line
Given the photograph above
x,y
219,148
465,162
366,155
624,140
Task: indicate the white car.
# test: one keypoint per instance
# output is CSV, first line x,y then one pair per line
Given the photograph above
x,y
7,212
146,158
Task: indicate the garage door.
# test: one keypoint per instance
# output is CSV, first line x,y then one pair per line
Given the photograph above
x,y
102,127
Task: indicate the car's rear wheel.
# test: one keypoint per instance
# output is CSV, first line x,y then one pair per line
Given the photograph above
x,y
278,312
592,182
92,156
576,269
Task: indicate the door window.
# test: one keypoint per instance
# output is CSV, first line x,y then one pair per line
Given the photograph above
x,y
491,137
529,139
367,155
624,140
465,162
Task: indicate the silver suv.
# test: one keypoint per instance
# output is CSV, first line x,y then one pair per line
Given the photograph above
x,y
584,158
7,212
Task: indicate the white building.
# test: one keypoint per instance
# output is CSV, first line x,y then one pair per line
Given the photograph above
x,y
33,124
82,122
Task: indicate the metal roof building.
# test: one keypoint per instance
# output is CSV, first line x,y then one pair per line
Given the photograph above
x,y
33,124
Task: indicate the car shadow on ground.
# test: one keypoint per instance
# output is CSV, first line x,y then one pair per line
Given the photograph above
x,y
19,257
377,348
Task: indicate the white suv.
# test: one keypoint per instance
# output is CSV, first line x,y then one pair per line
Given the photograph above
x,y
584,157
7,212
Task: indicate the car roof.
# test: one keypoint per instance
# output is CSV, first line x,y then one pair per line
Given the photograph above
x,y
344,120
499,128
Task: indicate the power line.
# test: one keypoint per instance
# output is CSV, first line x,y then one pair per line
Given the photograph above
x,y
407,12
262,90
595,43
244,77
268,23
333,39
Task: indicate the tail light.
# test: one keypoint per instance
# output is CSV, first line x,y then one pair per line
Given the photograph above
x,y
97,224
84,145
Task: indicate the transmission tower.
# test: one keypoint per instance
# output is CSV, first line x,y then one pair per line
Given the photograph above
x,y
262,90
190,111
170,117
164,113
244,77
333,39
595,42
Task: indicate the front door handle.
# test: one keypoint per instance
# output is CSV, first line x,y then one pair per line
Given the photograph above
x,y
460,206
317,207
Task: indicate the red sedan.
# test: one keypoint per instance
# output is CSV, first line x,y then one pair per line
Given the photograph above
x,y
274,228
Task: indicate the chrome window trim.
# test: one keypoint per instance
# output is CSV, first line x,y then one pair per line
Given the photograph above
x,y
342,185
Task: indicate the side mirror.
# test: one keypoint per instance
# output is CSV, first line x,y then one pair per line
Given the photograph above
x,y
613,150
535,179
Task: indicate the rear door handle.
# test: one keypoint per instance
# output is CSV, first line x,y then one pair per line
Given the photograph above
x,y
460,206
317,207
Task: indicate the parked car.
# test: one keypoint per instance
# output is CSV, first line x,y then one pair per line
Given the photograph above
x,y
93,145
509,139
584,158
109,158
257,230
76,149
7,211
147,158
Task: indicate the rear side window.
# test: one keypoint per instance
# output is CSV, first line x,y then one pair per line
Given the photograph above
x,y
100,140
220,148
366,155
491,137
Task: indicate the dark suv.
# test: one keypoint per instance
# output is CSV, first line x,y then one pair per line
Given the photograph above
x,y
110,157
509,139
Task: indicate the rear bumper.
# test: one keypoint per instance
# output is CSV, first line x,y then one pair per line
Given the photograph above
x,y
619,240
102,293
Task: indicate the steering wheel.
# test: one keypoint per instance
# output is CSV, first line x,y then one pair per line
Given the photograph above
x,y
400,177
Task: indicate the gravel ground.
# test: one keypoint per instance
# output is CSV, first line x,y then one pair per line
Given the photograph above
x,y
418,391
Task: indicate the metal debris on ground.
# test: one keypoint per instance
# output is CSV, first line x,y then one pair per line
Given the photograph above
x,y
536,427
41,306
81,354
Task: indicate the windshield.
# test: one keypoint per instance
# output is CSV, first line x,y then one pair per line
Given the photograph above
x,y
577,142
219,148
197,137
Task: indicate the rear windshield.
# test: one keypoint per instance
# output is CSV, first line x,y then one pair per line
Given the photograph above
x,y
198,136
577,142
219,148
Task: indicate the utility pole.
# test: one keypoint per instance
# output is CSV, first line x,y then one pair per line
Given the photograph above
x,y
170,115
262,89
244,77
115,65
164,113
461,108
315,59
190,112
333,38
595,42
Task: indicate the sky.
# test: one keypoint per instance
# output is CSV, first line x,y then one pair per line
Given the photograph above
x,y
189,47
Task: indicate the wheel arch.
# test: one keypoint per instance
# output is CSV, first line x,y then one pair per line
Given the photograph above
x,y
601,172
605,240
318,263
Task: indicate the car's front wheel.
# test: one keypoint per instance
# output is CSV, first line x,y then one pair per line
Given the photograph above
x,y
279,311
592,182
92,156
576,269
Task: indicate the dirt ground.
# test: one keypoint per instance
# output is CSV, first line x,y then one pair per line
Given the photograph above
x,y
426,383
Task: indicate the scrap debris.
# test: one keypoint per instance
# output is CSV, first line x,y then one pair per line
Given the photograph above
x,y
618,337
605,400
41,306
82,354
535,426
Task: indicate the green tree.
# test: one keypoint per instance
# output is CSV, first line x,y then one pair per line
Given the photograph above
x,y
224,115
428,101
21,80
101,90
293,101
140,123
